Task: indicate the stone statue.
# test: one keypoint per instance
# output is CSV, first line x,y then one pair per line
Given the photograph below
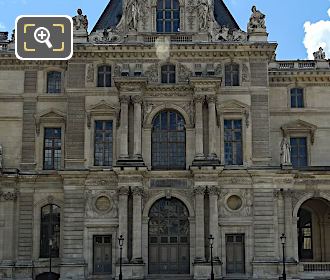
x,y
319,55
132,14
285,152
257,20
1,157
80,21
203,14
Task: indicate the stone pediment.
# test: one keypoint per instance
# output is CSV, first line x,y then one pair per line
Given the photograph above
x,y
233,106
101,109
102,106
299,126
49,116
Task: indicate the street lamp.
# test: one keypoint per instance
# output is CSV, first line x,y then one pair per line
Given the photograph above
x,y
211,239
121,243
283,239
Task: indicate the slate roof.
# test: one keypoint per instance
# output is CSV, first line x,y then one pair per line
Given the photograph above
x,y
114,10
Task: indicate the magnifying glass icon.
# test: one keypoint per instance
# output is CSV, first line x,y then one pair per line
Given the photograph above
x,y
42,35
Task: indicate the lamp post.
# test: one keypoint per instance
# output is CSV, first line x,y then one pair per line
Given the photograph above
x,y
211,239
283,239
121,243
50,247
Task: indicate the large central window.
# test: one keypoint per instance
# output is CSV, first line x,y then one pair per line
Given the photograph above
x,y
168,141
103,143
233,142
168,16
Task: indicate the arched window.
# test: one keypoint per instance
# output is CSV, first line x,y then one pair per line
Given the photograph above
x,y
168,74
104,76
168,141
305,238
168,16
54,82
50,231
232,74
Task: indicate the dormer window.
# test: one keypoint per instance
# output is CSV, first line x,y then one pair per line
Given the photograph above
x,y
168,16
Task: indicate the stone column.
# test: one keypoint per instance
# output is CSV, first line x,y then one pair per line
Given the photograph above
x,y
211,100
199,192
122,209
288,219
137,100
199,126
214,219
124,99
137,224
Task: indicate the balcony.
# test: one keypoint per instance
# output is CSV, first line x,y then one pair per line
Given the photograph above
x,y
299,65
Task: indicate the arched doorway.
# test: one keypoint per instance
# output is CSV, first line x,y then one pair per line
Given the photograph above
x,y
313,229
169,242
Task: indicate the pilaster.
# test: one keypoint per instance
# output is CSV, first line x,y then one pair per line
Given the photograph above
x,y
137,224
199,192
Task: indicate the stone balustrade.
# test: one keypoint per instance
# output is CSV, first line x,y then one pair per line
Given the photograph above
x,y
316,266
299,65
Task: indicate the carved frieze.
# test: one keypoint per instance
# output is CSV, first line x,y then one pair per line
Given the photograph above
x,y
184,73
199,190
7,196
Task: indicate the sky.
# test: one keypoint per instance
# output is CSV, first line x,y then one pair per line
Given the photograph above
x,y
300,27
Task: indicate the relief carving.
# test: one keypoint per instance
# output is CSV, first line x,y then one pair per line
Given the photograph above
x,y
90,73
6,196
244,206
152,73
184,73
101,204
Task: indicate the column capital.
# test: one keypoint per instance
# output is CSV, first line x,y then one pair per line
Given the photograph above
x,y
137,99
213,190
211,99
199,190
123,190
199,98
124,98
137,190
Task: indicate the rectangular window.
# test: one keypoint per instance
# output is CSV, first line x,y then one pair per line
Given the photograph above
x,y
52,148
103,142
104,76
298,151
54,80
297,98
233,142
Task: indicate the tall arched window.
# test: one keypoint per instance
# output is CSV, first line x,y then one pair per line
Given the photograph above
x,y
50,231
232,74
54,82
305,238
168,141
168,16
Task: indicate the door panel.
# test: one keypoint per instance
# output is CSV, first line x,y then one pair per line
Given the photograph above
x,y
235,255
102,255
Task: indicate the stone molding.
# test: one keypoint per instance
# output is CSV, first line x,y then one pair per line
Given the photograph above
x,y
299,126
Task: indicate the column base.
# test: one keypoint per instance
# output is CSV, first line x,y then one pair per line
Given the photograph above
x,y
286,166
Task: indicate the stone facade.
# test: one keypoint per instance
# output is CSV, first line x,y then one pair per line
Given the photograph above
x,y
253,202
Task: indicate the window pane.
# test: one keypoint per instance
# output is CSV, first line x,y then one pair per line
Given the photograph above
x,y
52,148
103,143
168,142
54,82
298,151
168,16
233,142
104,76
